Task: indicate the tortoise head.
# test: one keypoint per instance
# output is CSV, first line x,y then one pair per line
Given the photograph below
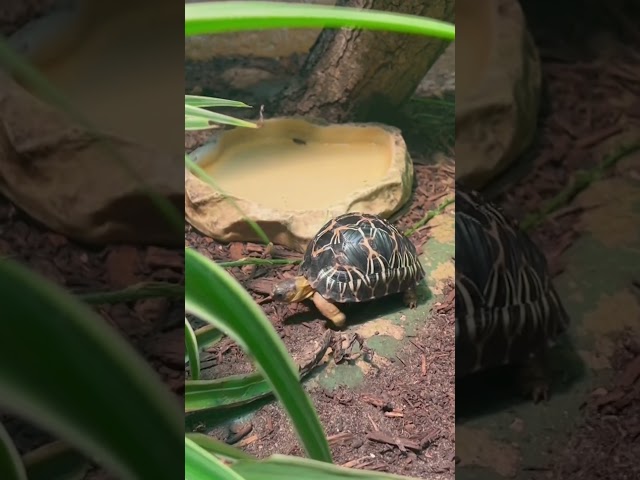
x,y
292,290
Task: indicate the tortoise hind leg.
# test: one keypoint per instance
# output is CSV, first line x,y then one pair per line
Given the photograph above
x,y
329,310
533,378
410,297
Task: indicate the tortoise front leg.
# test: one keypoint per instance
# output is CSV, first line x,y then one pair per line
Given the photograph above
x,y
329,310
410,297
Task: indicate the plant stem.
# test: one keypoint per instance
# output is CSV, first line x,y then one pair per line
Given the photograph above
x,y
135,292
582,181
258,261
429,216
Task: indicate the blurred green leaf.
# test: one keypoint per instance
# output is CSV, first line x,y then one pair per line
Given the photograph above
x,y
81,381
11,464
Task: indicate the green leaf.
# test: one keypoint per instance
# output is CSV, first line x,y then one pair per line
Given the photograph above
x,y
11,464
227,392
199,101
192,122
213,445
216,297
213,17
207,336
218,118
193,352
201,465
288,467
82,381
56,461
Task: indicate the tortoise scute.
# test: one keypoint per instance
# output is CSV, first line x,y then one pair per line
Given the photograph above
x,y
506,305
359,257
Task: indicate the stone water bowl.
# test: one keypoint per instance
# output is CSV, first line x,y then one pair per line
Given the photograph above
x,y
292,175
497,88
92,52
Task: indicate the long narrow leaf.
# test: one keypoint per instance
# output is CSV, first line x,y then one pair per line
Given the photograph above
x,y
286,467
217,117
227,392
81,381
216,297
201,465
200,101
56,461
193,352
11,464
205,337
213,445
213,17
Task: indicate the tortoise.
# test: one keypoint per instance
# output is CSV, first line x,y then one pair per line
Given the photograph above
x,y
507,309
354,257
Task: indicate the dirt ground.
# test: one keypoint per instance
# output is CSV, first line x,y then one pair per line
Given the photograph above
x,y
589,428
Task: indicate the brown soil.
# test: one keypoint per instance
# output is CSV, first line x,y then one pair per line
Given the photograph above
x,y
606,445
401,419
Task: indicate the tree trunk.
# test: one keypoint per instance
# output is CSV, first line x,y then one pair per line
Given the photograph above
x,y
362,74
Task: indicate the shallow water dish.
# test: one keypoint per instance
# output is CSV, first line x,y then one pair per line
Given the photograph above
x,y
292,175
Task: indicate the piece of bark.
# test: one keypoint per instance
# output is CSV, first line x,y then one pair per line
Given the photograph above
x,y
364,74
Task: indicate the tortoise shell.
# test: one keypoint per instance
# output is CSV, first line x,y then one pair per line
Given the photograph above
x,y
506,305
358,257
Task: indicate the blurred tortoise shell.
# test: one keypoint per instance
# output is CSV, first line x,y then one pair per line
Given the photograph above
x,y
506,305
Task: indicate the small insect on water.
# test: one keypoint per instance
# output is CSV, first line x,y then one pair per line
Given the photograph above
x,y
355,257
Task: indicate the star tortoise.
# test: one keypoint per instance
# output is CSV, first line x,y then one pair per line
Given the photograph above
x,y
507,309
354,257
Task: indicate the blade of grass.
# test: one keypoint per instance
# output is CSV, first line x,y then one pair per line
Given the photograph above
x,y
228,392
55,460
81,381
11,464
218,118
200,101
212,17
201,465
134,292
205,337
286,467
217,298
192,350
213,445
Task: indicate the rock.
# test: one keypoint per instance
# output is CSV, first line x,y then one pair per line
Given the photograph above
x,y
63,176
497,89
